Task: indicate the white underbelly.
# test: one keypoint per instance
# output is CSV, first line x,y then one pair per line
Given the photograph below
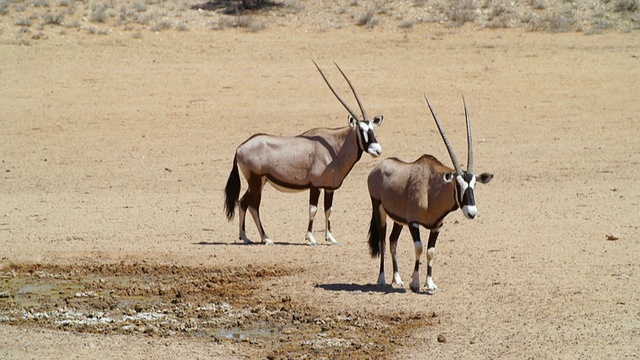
x,y
284,189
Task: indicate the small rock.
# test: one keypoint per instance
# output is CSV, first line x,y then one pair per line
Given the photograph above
x,y
442,338
612,237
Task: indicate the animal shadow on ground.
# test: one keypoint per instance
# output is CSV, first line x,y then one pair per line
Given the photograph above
x,y
238,242
364,288
233,7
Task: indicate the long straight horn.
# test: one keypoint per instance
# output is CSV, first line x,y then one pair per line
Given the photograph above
x,y
445,139
353,113
355,93
469,142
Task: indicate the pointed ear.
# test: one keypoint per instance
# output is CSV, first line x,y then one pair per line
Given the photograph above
x,y
353,121
377,121
484,178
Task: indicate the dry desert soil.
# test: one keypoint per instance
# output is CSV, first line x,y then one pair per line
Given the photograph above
x,y
118,126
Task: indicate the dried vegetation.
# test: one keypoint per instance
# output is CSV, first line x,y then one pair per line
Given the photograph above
x,y
50,17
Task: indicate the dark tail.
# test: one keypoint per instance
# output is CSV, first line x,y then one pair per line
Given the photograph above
x,y
232,191
374,229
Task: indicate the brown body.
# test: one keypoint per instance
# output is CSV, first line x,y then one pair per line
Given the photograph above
x,y
318,159
413,192
421,193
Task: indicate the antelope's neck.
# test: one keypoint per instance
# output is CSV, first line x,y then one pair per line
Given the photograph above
x,y
347,155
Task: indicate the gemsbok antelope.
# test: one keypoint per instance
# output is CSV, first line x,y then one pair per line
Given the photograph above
x,y
318,159
421,193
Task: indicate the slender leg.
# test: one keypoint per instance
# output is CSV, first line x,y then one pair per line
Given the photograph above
x,y
314,196
415,234
255,192
244,204
328,204
393,244
431,254
383,235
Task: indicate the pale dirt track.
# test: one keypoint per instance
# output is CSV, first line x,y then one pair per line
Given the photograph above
x,y
116,150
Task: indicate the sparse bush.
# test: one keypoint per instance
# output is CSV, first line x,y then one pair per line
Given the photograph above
x,y
4,7
257,26
539,4
365,18
561,22
39,36
243,22
25,22
161,25
407,24
97,31
372,23
41,3
53,19
75,24
182,27
625,5
224,22
144,19
66,3
459,17
99,13
139,7
458,12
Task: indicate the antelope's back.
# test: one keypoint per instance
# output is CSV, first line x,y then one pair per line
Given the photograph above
x,y
403,188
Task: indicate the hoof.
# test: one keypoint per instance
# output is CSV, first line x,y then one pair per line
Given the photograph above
x,y
246,241
431,286
311,240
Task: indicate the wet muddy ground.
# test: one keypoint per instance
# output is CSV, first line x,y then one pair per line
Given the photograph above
x,y
224,304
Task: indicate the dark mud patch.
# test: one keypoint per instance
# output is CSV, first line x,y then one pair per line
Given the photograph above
x,y
223,304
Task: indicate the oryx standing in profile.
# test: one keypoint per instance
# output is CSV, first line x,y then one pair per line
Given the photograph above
x,y
318,159
421,193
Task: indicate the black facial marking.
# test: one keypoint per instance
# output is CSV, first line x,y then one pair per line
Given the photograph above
x,y
468,197
364,145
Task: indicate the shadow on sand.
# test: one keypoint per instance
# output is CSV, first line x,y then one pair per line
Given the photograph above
x,y
366,288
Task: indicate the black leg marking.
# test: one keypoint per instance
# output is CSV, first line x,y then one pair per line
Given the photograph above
x,y
314,196
328,205
383,235
415,278
393,244
433,237
431,253
244,205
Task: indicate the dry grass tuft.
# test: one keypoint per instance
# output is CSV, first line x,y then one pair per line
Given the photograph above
x,y
324,15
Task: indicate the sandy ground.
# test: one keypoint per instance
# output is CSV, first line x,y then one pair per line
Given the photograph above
x,y
116,149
